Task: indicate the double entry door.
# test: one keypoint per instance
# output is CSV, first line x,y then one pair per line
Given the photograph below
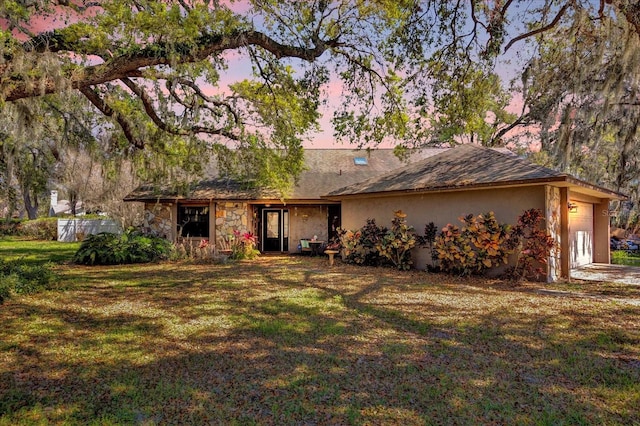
x,y
275,230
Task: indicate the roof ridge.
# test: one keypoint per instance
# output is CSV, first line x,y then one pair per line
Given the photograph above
x,y
437,171
516,158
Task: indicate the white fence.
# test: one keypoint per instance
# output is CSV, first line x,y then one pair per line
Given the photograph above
x,y
70,230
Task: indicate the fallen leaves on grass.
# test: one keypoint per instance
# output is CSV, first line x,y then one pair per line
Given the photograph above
x,y
286,340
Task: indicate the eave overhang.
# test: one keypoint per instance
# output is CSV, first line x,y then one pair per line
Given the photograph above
x,y
564,181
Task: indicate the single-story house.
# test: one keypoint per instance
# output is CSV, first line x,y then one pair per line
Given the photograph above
x,y
215,207
344,188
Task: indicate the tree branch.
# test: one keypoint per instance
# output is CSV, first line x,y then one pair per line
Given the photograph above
x,y
76,7
498,136
160,53
206,98
162,125
147,102
532,33
127,127
631,12
68,117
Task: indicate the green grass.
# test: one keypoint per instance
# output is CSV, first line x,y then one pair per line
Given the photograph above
x,y
35,251
621,257
291,341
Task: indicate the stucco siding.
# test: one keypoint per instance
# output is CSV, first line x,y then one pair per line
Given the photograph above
x,y
442,208
307,221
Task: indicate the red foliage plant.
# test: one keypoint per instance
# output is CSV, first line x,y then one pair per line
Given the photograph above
x,y
480,244
532,246
483,243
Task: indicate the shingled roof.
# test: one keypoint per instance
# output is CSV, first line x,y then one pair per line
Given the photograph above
x,y
331,169
464,167
204,190
326,171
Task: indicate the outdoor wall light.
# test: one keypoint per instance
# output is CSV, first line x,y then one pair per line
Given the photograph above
x,y
573,207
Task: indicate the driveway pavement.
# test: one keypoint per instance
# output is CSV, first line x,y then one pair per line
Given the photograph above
x,y
610,273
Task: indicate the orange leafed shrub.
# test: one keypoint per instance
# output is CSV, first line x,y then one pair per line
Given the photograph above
x,y
480,244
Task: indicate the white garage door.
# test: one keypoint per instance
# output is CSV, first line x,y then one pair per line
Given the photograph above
x,y
581,234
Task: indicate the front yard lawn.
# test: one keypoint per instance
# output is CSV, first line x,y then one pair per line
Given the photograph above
x,y
286,340
36,251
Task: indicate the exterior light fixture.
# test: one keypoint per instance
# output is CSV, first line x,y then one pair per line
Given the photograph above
x,y
573,207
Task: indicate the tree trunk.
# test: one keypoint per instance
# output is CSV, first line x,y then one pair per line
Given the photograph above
x,y
30,207
73,201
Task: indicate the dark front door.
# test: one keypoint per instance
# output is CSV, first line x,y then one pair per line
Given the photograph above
x,y
275,230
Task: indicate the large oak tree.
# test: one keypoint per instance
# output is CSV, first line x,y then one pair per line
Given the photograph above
x,y
245,81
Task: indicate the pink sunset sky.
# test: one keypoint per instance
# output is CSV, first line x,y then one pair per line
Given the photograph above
x,y
239,68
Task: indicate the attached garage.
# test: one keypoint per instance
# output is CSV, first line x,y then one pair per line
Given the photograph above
x,y
581,234
471,179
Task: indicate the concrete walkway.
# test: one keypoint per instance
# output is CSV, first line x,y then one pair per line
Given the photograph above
x,y
609,273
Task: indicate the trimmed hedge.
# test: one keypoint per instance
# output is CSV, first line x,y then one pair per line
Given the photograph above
x,y
45,228
10,227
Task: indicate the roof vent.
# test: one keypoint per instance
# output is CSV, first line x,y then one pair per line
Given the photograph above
x,y
360,161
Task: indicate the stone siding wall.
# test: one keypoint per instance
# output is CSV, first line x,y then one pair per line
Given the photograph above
x,y
554,228
158,220
230,217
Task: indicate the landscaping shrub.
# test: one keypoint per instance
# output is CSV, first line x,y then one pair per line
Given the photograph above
x,y
532,246
130,247
191,249
623,257
19,277
243,246
427,241
398,241
45,228
360,247
454,251
482,243
10,227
